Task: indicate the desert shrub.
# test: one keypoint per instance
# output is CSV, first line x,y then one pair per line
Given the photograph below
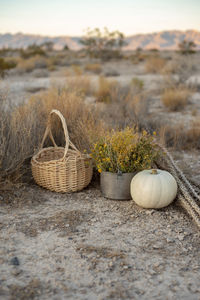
x,y
175,98
137,58
28,65
34,89
137,83
31,51
178,71
154,64
66,48
107,90
47,46
77,69
80,84
170,69
24,66
4,52
5,66
52,62
172,136
40,62
187,47
181,137
111,73
154,50
193,135
95,68
38,73
15,140
22,129
126,107
104,45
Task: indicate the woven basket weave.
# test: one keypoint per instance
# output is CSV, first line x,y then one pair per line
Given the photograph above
x,y
61,169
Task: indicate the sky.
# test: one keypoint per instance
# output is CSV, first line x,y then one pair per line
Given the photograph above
x,y
73,17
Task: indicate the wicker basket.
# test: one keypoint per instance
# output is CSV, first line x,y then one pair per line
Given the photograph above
x,y
61,169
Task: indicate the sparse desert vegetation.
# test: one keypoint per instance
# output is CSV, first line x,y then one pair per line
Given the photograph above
x,y
155,64
154,92
126,100
176,99
95,68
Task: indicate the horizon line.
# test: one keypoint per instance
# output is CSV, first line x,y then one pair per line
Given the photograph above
x,y
54,36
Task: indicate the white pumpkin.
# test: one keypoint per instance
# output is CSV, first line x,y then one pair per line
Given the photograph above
x,y
153,188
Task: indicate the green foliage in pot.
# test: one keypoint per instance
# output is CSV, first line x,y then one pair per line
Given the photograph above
x,y
125,151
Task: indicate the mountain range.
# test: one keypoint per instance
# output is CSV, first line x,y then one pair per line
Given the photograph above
x,y
165,40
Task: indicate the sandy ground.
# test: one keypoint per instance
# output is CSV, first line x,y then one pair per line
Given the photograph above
x,y
83,246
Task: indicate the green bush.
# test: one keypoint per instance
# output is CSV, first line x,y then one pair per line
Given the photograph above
x,y
187,47
104,45
6,65
32,51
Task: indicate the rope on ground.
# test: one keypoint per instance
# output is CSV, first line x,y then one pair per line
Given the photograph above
x,y
188,197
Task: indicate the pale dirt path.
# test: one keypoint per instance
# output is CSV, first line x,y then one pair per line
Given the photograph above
x,y
83,246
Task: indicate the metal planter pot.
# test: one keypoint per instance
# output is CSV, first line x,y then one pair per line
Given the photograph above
x,y
116,186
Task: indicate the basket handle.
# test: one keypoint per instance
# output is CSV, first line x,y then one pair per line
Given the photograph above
x,y
66,134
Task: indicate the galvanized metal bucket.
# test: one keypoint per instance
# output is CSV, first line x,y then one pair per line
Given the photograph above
x,y
116,185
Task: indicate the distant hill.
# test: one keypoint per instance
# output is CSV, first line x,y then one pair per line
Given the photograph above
x,y
165,40
20,40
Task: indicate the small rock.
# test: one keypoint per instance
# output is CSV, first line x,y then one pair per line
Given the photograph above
x,y
181,237
184,250
157,264
16,272
157,246
152,272
170,240
149,211
15,261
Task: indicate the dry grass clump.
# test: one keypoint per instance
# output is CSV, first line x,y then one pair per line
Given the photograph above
x,y
15,142
28,65
138,57
179,137
193,135
107,90
127,107
137,83
178,71
52,62
22,129
170,68
175,98
40,73
94,68
154,64
81,119
80,84
77,70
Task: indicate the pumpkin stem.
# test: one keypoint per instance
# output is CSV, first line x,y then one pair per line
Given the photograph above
x,y
154,171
